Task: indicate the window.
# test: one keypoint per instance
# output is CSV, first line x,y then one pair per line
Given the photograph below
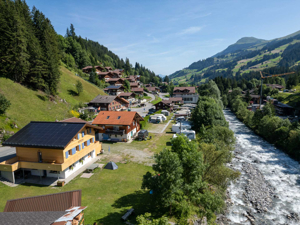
x,y
85,143
73,151
70,152
78,136
119,117
83,133
92,140
82,145
107,117
133,123
67,154
78,147
128,127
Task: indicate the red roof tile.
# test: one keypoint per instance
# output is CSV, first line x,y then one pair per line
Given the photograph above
x,y
116,118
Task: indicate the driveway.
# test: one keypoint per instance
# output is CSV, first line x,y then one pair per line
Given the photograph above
x,y
7,153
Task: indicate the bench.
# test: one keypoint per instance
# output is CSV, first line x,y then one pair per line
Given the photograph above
x,y
128,213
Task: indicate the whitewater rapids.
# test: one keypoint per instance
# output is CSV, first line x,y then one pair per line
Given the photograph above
x,y
268,190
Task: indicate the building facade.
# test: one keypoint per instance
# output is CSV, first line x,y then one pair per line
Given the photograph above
x,y
118,126
51,149
109,103
188,94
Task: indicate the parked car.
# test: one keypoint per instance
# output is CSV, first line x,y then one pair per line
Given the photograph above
x,y
143,135
180,119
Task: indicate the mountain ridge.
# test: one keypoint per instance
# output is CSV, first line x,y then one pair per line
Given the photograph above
x,y
246,55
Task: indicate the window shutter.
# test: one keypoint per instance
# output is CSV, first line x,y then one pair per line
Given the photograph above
x,y
67,154
93,140
88,142
90,130
73,151
78,135
79,147
83,134
82,145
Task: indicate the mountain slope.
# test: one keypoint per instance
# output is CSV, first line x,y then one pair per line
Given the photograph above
x,y
29,105
241,44
247,55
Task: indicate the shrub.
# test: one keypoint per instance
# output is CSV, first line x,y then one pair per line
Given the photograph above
x,y
4,104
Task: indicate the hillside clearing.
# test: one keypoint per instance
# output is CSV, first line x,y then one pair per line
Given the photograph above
x,y
30,105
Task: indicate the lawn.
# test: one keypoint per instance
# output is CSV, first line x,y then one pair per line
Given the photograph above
x,y
157,100
30,105
108,194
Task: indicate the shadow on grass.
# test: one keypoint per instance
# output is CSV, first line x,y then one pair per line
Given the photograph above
x,y
141,201
73,93
169,143
42,97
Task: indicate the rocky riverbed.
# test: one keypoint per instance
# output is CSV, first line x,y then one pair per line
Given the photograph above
x,y
268,190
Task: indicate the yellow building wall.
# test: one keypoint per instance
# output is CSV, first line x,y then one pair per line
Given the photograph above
x,y
53,159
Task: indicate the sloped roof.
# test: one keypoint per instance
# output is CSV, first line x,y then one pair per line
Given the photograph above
x,y
52,202
45,135
116,118
73,120
107,99
166,102
113,87
175,99
152,88
32,218
134,84
126,94
137,89
190,89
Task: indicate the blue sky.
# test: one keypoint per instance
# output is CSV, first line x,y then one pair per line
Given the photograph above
x,y
166,36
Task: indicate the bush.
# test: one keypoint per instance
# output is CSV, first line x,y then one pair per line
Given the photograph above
x,y
4,104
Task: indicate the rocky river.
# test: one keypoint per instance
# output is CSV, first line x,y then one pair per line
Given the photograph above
x,y
268,190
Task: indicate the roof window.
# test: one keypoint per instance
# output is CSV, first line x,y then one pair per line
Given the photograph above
x,y
107,117
119,117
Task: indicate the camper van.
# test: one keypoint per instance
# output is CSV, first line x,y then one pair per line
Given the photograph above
x,y
157,118
183,126
165,112
191,134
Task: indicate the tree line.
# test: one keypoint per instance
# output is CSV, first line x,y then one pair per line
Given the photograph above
x,y
284,134
31,51
191,178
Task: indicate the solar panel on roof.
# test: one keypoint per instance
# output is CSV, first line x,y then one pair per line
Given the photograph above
x,y
45,134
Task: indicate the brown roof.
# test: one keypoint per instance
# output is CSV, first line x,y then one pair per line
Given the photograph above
x,y
137,89
53,202
134,84
126,94
116,118
166,102
73,120
152,88
176,99
181,89
107,99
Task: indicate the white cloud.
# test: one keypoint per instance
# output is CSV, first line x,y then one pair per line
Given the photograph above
x,y
190,30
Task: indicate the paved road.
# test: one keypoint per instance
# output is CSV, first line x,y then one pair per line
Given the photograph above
x,y
7,153
144,110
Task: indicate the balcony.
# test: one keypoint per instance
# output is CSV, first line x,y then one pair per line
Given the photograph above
x,y
115,132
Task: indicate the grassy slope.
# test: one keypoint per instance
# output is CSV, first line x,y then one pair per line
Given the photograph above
x,y
269,63
28,105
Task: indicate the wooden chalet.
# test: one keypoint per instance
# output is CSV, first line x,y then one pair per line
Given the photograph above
x,y
114,89
109,103
118,126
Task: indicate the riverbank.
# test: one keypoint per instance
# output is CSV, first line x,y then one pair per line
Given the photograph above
x,y
268,190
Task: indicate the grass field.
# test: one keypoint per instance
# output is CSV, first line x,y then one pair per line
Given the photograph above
x,y
108,193
29,105
156,100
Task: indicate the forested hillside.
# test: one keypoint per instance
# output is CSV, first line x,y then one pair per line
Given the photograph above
x,y
245,59
31,51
